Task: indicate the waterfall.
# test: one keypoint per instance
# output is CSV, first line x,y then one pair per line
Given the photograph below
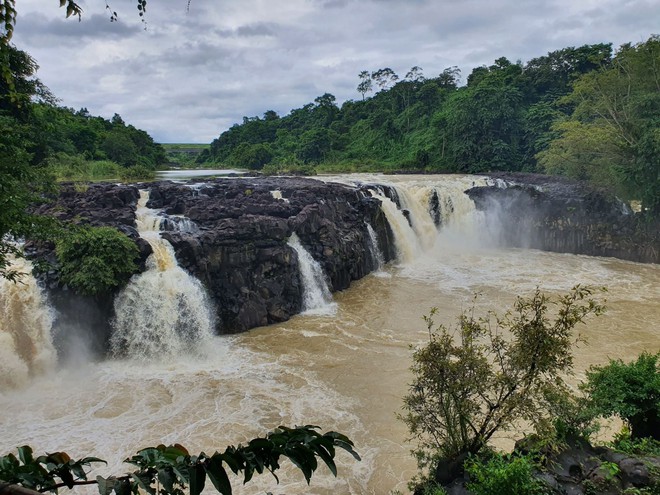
x,y
433,216
416,202
26,320
376,253
405,239
178,223
317,298
163,311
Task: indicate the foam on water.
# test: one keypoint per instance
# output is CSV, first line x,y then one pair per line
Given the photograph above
x,y
205,402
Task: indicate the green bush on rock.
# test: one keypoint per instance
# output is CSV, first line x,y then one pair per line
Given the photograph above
x,y
94,260
503,475
630,391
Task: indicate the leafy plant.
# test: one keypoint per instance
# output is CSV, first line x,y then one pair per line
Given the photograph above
x,y
46,472
629,390
645,446
170,470
492,372
94,260
503,475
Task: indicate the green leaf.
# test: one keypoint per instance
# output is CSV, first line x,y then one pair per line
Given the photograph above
x,y
327,458
123,487
143,480
197,476
218,475
25,454
167,479
105,486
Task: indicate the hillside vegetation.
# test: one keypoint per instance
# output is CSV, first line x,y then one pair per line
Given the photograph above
x,y
581,112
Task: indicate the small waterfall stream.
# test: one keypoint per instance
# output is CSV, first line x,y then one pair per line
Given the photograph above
x,y
376,253
163,311
26,320
317,298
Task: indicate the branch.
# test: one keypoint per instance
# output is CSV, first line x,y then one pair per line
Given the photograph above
x,y
11,489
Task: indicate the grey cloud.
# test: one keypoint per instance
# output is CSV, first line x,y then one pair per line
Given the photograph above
x,y
258,29
96,26
192,75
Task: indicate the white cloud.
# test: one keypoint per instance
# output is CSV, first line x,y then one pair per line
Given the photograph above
x,y
189,76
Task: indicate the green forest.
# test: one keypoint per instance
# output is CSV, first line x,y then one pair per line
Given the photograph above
x,y
586,113
42,143
69,144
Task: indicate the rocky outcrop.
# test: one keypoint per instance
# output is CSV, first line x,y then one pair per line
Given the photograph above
x,y
238,243
232,235
577,468
555,214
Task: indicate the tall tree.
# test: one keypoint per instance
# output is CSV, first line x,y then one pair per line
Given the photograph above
x,y
365,85
21,182
618,108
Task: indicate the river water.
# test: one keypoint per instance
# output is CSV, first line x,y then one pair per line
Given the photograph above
x,y
345,370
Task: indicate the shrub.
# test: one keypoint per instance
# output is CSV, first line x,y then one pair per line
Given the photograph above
x,y
94,260
503,475
491,373
630,391
137,172
645,446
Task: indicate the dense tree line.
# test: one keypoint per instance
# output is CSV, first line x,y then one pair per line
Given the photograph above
x,y
41,142
55,135
583,112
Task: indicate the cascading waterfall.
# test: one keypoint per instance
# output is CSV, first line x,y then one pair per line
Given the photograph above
x,y
434,215
376,253
26,320
163,311
317,298
415,201
405,239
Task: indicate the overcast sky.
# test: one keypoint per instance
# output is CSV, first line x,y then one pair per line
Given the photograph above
x,y
190,75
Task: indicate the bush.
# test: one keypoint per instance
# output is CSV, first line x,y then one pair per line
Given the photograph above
x,y
645,446
94,260
503,475
77,168
137,172
491,373
630,391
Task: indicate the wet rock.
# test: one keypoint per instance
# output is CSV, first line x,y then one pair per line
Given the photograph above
x,y
232,235
635,472
556,214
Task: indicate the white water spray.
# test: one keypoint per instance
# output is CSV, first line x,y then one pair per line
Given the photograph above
x,y
317,298
163,311
26,320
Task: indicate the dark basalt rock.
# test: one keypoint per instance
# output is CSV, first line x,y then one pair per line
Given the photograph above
x,y
232,235
555,214
240,251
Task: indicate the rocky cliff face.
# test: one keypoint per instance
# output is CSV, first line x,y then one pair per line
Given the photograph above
x,y
238,247
554,214
232,235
